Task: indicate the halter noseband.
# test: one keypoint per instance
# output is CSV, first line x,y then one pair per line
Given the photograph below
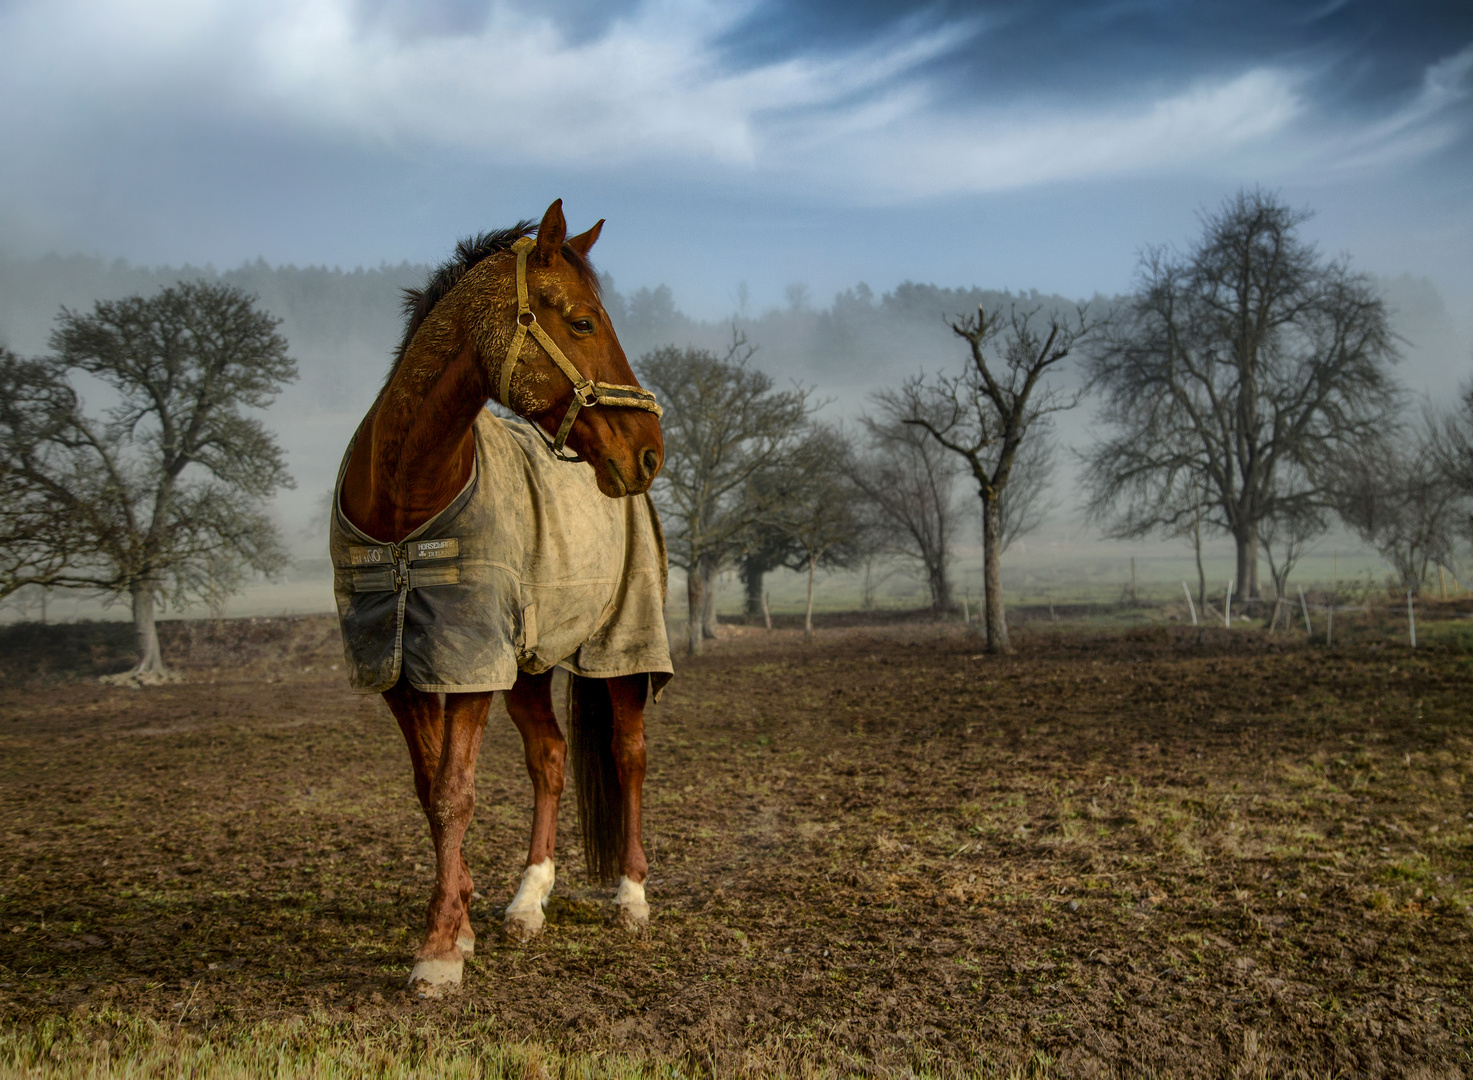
x,y
585,390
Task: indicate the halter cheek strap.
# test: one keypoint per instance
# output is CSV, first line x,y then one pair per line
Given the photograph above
x,y
585,390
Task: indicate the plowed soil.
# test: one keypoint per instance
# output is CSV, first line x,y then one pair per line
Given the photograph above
x,y
1164,852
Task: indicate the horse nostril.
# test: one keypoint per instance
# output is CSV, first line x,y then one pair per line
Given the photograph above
x,y
650,459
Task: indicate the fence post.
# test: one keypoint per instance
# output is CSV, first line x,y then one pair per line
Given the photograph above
x,y
1304,607
1330,623
1190,606
966,611
1227,606
766,614
1411,619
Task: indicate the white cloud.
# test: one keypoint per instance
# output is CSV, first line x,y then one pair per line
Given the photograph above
x,y
652,86
996,148
656,88
1431,120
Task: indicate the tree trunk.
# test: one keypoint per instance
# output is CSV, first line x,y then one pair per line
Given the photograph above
x,y
1201,573
940,587
1247,580
150,659
709,569
695,596
753,576
997,626
808,614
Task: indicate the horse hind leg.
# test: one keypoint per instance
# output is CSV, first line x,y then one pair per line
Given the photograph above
x,y
626,746
529,703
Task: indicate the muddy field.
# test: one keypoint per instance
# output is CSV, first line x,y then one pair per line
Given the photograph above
x,y
1156,852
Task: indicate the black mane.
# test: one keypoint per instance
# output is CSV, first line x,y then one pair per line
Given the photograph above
x,y
418,303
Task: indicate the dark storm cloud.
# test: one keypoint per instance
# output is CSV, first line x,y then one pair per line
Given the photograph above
x,y
1059,49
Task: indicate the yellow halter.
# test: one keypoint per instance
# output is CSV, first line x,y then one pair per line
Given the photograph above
x,y
585,390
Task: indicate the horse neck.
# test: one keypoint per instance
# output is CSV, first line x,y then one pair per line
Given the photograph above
x,y
421,445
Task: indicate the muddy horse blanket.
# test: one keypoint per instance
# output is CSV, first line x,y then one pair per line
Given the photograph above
x,y
528,568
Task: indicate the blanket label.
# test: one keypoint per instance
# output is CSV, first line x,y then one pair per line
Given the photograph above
x,y
378,555
448,548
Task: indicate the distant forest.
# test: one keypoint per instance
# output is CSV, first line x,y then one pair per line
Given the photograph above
x,y
343,325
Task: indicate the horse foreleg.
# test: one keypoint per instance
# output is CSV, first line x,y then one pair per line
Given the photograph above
x,y
529,703
627,698
449,800
422,721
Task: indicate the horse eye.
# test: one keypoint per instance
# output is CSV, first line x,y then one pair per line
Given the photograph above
x,y
583,326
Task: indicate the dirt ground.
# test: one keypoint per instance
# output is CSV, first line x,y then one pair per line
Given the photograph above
x,y
1149,853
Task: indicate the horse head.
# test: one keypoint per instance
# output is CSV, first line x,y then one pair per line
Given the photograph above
x,y
551,355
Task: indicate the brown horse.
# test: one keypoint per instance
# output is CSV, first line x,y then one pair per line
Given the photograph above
x,y
437,622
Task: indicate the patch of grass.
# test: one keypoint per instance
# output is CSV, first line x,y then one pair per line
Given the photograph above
x,y
312,1047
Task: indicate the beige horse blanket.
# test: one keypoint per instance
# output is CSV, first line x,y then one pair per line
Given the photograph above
x,y
530,567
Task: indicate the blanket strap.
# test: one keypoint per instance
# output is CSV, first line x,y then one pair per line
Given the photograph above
x,y
386,567
585,390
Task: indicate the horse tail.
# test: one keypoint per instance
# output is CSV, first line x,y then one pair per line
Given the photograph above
x,y
596,777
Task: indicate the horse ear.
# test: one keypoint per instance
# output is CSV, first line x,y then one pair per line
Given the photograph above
x,y
551,233
583,241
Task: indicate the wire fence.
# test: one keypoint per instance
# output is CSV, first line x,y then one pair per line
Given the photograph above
x,y
1328,608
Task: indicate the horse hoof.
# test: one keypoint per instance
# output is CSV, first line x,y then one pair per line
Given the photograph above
x,y
434,979
631,921
466,943
631,910
524,926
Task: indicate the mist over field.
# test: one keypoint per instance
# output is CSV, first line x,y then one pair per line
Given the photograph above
x,y
343,325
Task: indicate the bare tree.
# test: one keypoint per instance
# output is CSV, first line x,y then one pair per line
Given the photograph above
x,y
910,479
1454,448
162,495
1186,515
1246,364
813,501
723,424
39,540
1394,495
1290,534
996,416
1454,444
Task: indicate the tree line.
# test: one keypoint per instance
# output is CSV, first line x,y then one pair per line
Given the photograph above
x,y
1245,388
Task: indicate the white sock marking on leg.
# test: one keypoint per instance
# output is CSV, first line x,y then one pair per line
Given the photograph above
x,y
630,899
526,907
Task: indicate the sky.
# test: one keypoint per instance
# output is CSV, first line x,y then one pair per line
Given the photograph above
x,y
1039,144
